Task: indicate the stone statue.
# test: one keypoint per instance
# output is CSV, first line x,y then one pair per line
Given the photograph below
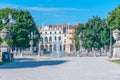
x,y
116,46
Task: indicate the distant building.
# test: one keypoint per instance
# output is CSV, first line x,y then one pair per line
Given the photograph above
x,y
62,33
72,31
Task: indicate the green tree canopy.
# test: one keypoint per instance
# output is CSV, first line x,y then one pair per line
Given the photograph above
x,y
81,28
95,33
114,18
24,26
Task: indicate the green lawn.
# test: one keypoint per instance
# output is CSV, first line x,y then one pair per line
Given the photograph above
x,y
116,61
1,63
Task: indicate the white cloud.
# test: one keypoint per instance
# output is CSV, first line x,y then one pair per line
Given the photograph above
x,y
51,9
6,5
40,9
36,8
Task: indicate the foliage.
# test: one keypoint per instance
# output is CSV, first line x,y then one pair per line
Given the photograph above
x,y
24,26
1,40
105,35
77,45
95,33
1,63
114,18
76,37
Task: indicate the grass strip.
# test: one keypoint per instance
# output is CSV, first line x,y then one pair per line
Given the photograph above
x,y
115,61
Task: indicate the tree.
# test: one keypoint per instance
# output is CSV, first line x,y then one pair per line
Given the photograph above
x,y
24,26
105,34
114,19
80,29
95,33
92,33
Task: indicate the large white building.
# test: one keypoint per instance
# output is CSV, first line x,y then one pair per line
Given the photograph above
x,y
54,33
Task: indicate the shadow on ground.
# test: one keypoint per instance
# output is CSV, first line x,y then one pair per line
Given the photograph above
x,y
30,63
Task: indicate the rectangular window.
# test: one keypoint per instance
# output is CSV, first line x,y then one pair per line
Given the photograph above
x,y
64,40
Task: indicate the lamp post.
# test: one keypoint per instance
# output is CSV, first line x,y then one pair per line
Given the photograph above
x,y
31,37
80,42
7,23
6,33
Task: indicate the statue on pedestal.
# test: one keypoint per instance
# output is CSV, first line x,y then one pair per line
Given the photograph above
x,y
116,46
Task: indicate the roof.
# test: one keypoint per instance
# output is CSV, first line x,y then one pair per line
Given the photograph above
x,y
74,27
64,26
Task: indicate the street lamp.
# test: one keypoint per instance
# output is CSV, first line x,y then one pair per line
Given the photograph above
x,y
6,33
80,42
7,22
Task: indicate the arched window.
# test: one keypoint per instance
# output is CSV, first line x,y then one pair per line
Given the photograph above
x,y
50,32
55,38
59,38
40,32
55,47
55,32
50,39
60,32
41,39
46,39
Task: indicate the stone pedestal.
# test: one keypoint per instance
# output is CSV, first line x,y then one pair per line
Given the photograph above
x,y
4,34
116,51
94,52
4,47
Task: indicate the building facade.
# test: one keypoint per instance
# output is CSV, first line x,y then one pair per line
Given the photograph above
x,y
57,33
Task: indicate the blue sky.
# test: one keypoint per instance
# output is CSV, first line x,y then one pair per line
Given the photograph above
x,y
62,11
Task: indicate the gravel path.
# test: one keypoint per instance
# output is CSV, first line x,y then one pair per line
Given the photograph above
x,y
65,68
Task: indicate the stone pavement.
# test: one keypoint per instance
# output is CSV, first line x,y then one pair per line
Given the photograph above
x,y
65,68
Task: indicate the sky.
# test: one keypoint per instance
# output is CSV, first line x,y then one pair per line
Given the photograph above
x,y
72,12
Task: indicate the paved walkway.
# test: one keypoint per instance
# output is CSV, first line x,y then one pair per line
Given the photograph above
x,y
67,68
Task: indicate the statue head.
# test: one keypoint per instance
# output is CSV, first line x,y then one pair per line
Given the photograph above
x,y
116,34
